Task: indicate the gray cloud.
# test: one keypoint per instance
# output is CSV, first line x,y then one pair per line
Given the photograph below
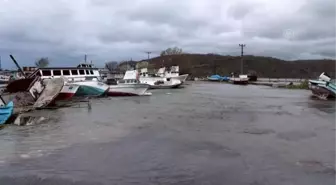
x,y
117,30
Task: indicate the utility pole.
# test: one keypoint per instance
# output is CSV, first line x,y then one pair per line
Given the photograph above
x,y
148,53
242,60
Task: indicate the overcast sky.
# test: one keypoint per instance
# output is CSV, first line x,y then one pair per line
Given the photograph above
x,y
105,30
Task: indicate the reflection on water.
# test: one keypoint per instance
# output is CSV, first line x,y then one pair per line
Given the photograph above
x,y
322,105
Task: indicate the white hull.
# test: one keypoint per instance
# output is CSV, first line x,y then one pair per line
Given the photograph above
x,y
70,88
4,79
128,89
165,86
182,78
160,82
91,88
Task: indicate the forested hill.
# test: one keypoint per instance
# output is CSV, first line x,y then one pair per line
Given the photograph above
x,y
200,65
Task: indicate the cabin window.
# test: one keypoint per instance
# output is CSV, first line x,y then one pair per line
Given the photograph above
x,y
57,72
81,72
87,72
46,73
66,72
91,72
74,72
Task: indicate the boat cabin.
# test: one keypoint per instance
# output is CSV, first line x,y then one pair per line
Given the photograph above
x,y
85,65
71,73
173,72
130,77
129,81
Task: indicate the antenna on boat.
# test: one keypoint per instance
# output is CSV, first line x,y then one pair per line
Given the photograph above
x,y
0,63
85,56
241,60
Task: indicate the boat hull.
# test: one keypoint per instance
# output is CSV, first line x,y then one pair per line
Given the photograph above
x,y
127,90
6,112
165,86
240,82
214,79
49,92
67,92
91,88
182,78
322,90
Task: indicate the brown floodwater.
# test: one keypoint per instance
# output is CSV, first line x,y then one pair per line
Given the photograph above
x,y
203,134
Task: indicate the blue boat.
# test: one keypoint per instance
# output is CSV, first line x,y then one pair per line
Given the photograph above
x,y
6,111
218,78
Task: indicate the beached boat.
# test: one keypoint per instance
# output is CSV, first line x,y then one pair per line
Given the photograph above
x,y
240,80
67,92
4,79
217,78
84,76
6,110
174,73
128,86
49,91
158,82
323,88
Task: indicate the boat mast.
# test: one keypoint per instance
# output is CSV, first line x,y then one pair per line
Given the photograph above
x,y
241,59
18,66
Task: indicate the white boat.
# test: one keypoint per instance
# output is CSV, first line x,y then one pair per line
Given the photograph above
x,y
174,73
158,82
81,81
241,80
128,86
4,79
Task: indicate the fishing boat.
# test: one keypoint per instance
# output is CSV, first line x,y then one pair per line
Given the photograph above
x,y
83,80
158,82
240,80
174,73
128,86
217,78
323,88
4,79
6,110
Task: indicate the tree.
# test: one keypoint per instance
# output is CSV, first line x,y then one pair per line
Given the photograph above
x,y
172,51
111,66
42,62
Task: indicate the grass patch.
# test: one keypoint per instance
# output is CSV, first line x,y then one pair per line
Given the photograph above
x,y
302,85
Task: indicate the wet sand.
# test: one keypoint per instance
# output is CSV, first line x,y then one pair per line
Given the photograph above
x,y
203,134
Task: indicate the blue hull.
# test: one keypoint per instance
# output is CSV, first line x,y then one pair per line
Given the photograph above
x,y
89,91
6,112
218,78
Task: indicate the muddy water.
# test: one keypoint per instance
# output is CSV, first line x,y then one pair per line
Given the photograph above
x,y
205,134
